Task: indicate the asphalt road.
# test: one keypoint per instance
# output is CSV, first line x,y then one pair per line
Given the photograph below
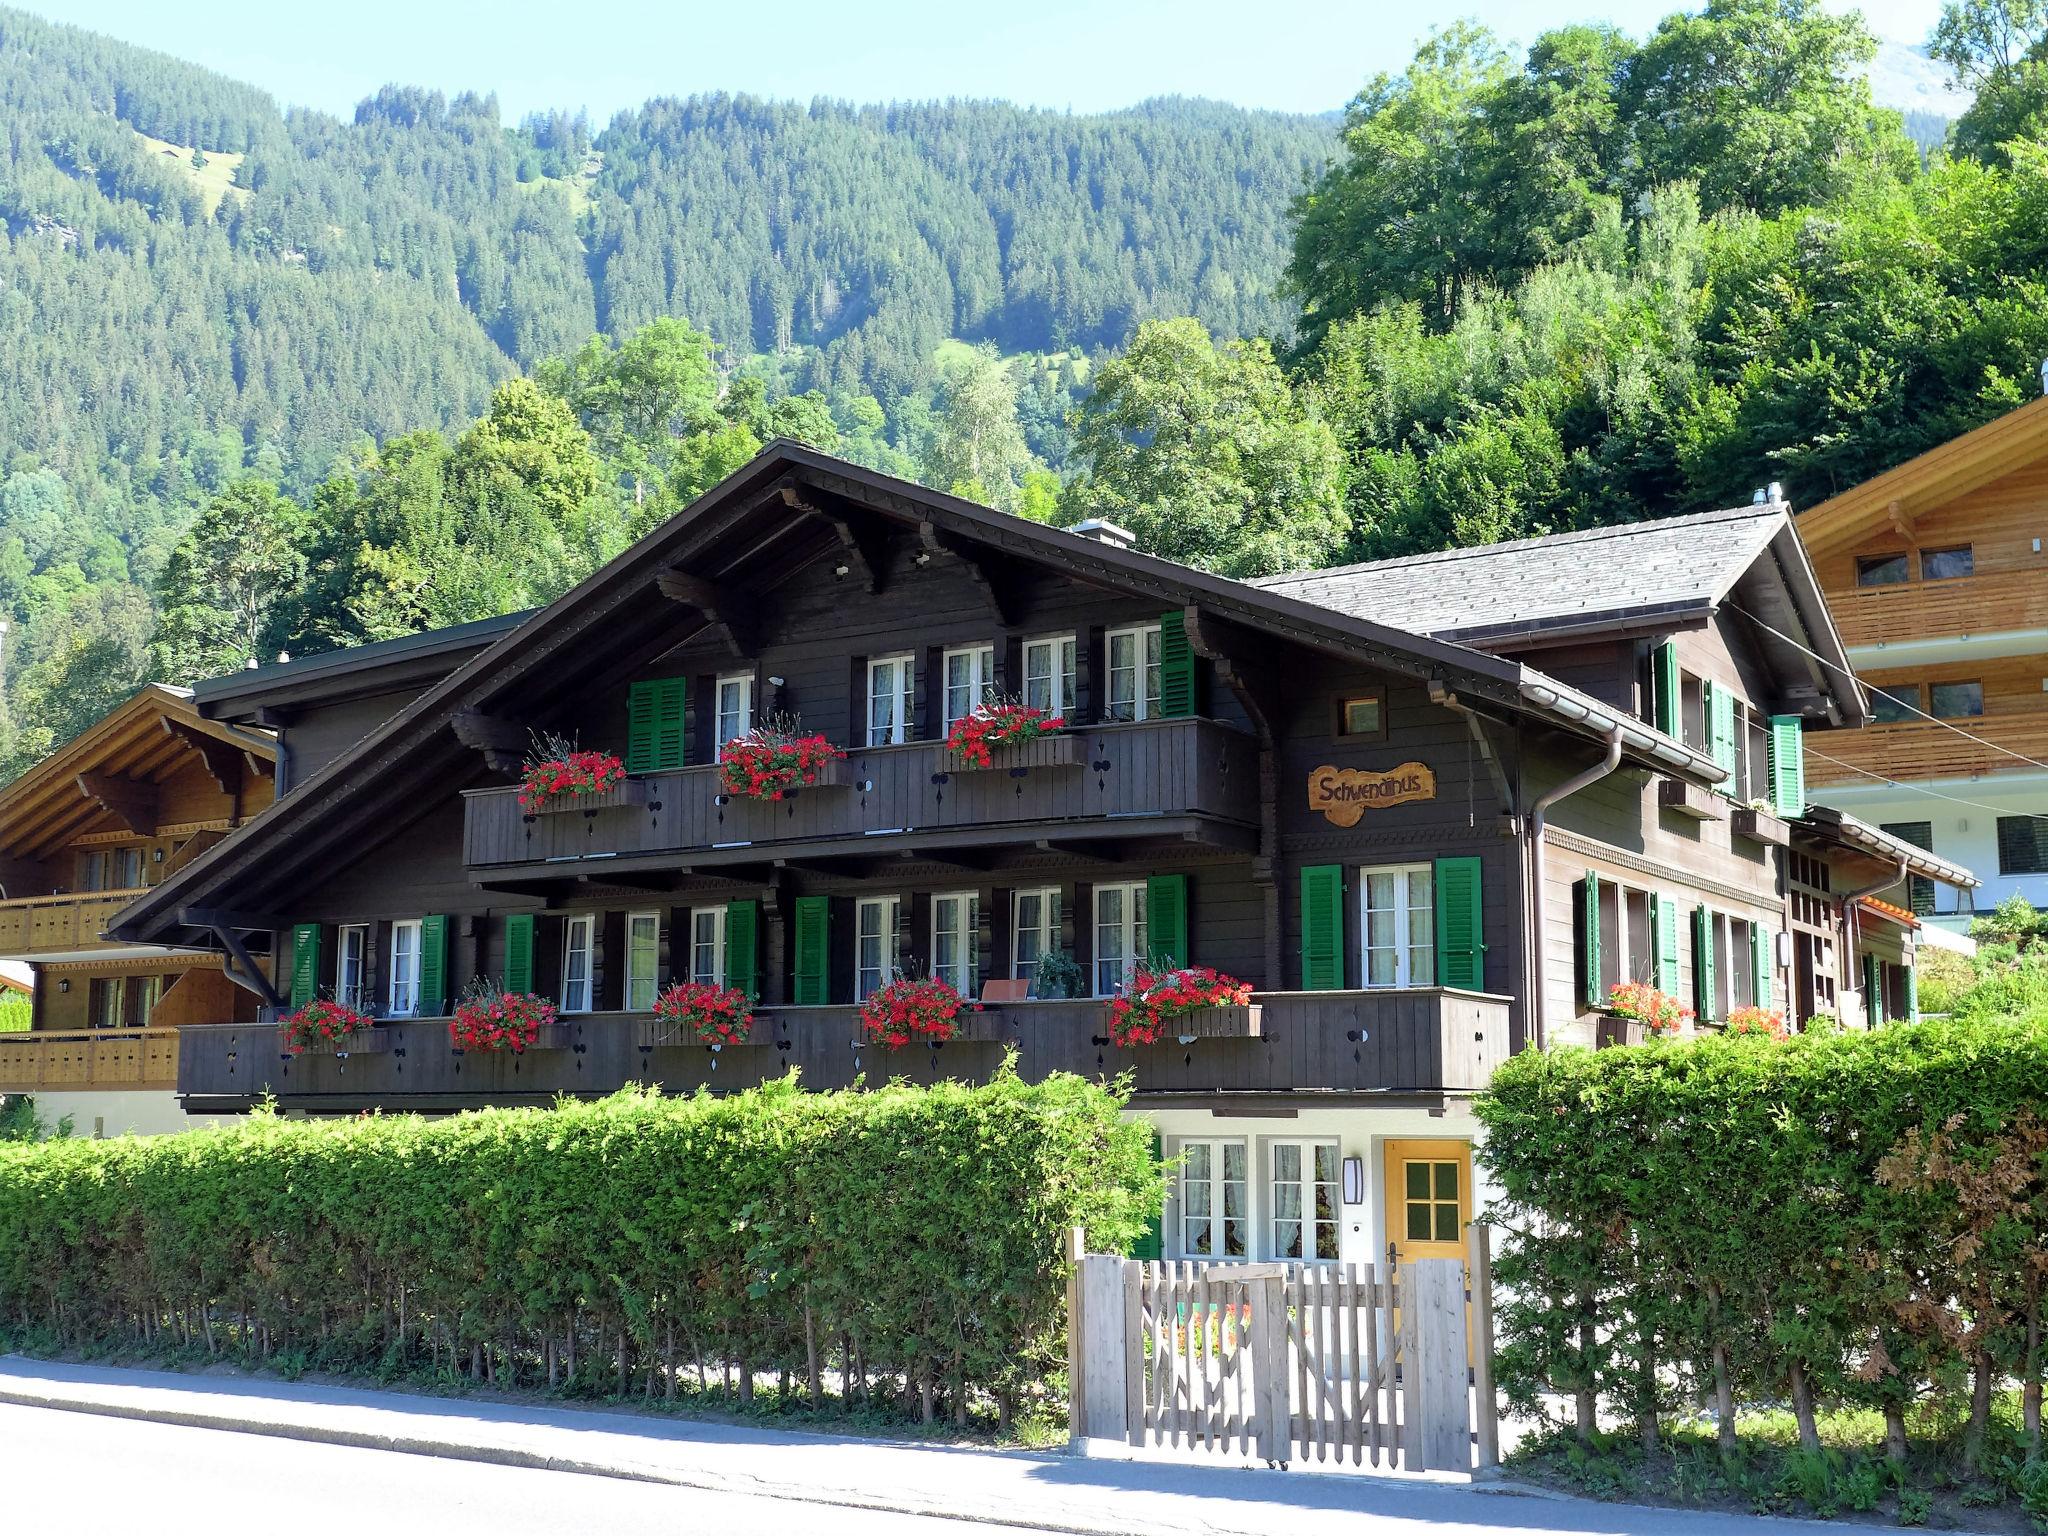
x,y
83,1472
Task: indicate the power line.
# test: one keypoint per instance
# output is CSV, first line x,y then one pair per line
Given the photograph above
x,y
1947,725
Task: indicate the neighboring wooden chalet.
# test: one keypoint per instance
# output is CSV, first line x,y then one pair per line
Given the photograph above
x,y
1938,575
124,806
1424,843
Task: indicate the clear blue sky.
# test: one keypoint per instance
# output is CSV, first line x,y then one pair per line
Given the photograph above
x,y
1295,55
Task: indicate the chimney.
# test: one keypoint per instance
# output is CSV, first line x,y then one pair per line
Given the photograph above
x,y
1103,531
2044,375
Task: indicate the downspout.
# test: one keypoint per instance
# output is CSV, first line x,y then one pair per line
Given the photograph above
x,y
1849,900
1533,865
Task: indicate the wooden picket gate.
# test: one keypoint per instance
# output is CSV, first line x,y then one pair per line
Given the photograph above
x,y
1288,1362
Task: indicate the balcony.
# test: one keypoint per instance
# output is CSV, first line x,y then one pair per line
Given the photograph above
x,y
115,1058
1427,1041
46,927
1921,749
1189,777
1993,603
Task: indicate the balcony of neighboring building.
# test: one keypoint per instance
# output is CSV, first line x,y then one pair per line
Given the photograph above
x,y
1937,605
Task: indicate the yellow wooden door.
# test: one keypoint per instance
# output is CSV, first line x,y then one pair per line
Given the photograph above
x,y
1429,1198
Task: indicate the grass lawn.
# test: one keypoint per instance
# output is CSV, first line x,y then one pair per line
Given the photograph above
x,y
216,178
1850,1477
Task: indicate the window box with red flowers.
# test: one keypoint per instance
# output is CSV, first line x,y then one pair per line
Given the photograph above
x,y
326,1028
517,1022
1637,1011
1185,1005
1003,734
558,777
916,1011
696,1013
774,761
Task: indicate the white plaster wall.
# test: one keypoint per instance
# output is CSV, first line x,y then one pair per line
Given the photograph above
x,y
115,1112
1359,1131
1962,833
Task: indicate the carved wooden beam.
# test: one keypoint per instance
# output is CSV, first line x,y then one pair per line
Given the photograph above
x,y
863,546
1224,646
503,743
223,761
720,606
989,571
128,801
1096,853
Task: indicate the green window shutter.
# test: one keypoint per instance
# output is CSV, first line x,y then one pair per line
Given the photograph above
x,y
1788,766
1589,937
1322,928
1667,946
433,965
1703,979
1720,705
1152,1243
1873,993
1176,667
813,949
1460,925
1664,688
1760,965
656,725
305,964
1912,995
742,946
1166,918
519,952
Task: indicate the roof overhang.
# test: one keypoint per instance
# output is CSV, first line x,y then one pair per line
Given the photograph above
x,y
787,509
1779,599
358,671
1828,825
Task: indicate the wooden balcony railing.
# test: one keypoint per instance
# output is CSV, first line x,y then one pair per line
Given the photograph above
x,y
1941,610
1423,1041
1920,749
89,1058
42,925
1163,768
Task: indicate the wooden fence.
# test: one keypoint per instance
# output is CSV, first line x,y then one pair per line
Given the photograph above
x,y
1317,1363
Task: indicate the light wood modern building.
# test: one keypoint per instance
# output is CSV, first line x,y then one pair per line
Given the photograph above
x,y
1937,574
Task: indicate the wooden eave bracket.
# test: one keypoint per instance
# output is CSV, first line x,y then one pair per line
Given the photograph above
x,y
502,742
990,572
1223,645
863,547
717,604
128,801
225,763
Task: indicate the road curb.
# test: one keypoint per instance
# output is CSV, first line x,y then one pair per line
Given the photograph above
x,y
512,1456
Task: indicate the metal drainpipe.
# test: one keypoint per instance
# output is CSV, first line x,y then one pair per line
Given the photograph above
x,y
1849,900
1533,864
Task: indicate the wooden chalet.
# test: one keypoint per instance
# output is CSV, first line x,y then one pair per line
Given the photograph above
x,y
1432,810
1937,573
122,807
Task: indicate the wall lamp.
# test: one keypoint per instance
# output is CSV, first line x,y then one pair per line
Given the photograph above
x,y
1354,1181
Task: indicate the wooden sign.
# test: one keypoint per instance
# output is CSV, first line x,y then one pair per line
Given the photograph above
x,y
1345,794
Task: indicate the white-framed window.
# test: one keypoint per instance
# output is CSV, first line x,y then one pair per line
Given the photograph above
x,y
577,934
643,959
1034,930
1399,924
707,946
891,681
874,952
1734,975
1133,672
956,919
352,965
1303,1195
735,707
1214,1204
1119,935
1049,674
403,998
970,676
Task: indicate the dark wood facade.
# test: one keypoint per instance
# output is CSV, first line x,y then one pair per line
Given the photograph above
x,y
795,577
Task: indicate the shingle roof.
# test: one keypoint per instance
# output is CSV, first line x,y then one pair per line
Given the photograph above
x,y
1671,564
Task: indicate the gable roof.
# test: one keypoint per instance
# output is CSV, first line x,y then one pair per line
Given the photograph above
x,y
356,671
1643,577
145,739
1955,468
788,508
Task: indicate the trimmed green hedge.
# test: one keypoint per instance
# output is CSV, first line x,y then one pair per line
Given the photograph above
x,y
908,1241
1856,1218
